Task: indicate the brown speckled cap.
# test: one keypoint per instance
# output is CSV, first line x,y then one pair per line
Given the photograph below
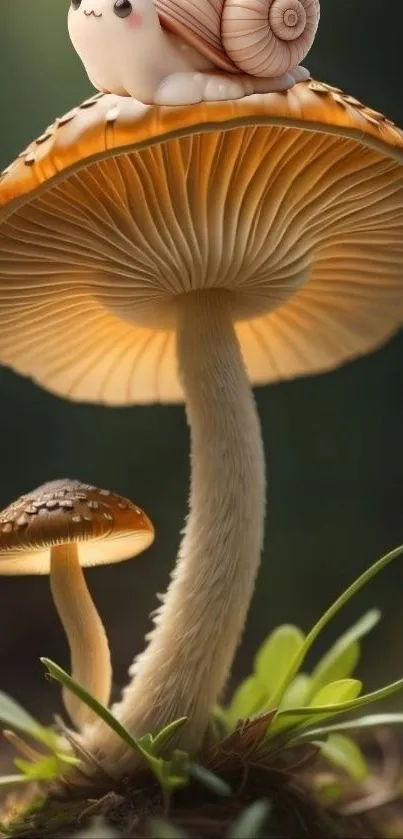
x,y
107,528
291,202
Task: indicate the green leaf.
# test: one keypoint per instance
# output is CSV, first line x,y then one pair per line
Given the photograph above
x,y
209,780
38,771
251,822
166,733
247,700
275,656
169,781
298,692
324,711
342,752
14,716
333,610
271,662
336,693
342,658
41,770
337,664
368,721
146,741
173,774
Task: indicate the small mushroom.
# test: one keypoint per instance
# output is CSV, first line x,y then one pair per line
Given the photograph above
x,y
57,529
185,253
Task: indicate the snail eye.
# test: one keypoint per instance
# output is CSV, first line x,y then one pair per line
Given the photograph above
x,y
75,4
122,8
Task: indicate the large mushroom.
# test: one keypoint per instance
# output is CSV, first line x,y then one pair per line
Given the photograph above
x,y
151,254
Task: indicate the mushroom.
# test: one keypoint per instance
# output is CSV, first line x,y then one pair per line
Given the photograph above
x,y
185,253
57,529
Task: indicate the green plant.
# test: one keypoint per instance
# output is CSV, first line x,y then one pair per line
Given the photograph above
x,y
301,700
172,773
303,707
42,764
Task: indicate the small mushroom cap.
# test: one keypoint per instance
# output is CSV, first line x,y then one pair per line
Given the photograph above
x,y
106,527
291,202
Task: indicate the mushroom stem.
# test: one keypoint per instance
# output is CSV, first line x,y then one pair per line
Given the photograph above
x,y
89,649
191,648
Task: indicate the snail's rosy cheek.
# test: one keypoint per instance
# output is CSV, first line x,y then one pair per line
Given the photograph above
x,y
134,20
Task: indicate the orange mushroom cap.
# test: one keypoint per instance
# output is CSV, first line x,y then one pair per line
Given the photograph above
x,y
292,202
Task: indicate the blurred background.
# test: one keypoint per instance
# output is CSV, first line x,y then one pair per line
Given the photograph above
x,y
334,442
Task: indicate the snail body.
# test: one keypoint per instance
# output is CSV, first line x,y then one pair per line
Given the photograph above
x,y
180,52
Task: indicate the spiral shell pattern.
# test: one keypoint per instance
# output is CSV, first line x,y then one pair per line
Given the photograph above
x,y
268,37
263,38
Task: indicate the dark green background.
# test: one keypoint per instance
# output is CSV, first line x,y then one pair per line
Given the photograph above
x,y
334,442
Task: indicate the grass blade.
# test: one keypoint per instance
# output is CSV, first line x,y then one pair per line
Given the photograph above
x,y
59,675
340,661
333,610
369,721
209,780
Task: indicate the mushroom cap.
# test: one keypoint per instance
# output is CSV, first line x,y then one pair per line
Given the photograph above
x,y
106,527
292,202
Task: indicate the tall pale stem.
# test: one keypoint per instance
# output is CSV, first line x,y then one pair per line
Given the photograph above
x,y
186,664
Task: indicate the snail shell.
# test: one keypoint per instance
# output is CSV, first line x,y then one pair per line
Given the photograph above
x,y
263,38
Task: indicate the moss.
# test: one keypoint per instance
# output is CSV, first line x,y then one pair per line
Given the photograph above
x,y
294,815
293,781
295,812
44,812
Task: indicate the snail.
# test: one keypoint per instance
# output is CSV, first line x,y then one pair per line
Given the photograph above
x,y
180,52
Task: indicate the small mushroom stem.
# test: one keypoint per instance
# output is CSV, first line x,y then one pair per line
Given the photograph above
x,y
89,649
185,666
